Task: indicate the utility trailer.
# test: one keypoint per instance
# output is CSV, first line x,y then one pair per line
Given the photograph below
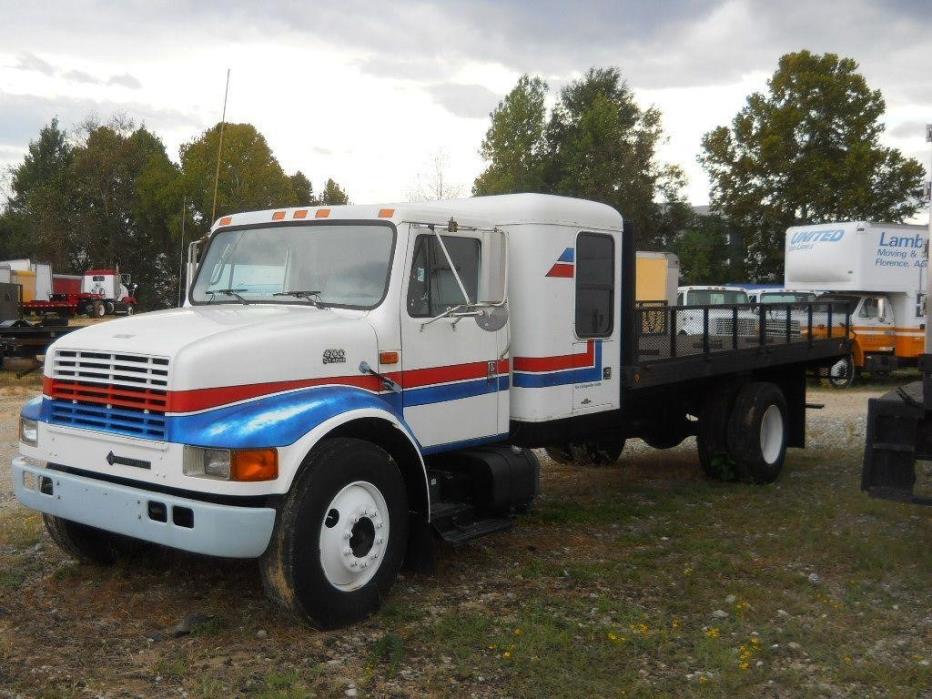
x,y
100,292
346,383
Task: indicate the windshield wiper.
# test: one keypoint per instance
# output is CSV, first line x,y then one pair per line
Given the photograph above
x,y
228,292
308,295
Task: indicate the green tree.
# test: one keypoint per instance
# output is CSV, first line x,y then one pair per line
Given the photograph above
x,y
303,190
250,176
705,254
128,208
38,217
807,151
598,144
333,194
515,145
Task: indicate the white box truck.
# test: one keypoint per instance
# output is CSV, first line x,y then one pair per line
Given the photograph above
x,y
880,270
344,382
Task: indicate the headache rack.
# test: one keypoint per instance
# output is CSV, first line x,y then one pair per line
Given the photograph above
x,y
675,343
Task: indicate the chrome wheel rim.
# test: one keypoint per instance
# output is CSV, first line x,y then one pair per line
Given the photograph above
x,y
354,536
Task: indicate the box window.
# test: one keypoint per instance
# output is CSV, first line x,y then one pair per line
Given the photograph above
x,y
595,284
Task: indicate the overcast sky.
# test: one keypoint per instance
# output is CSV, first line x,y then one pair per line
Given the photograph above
x,y
367,92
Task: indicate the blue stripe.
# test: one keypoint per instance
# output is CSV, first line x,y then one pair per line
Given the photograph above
x,y
562,378
271,421
567,256
454,391
453,446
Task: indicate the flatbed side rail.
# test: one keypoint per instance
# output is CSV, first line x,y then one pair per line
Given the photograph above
x,y
664,333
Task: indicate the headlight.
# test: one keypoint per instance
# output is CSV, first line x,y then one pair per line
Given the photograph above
x,y
231,464
28,431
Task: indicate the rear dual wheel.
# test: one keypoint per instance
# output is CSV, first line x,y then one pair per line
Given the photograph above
x,y
742,434
593,452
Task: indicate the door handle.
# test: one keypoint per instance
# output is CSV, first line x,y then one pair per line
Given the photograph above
x,y
493,371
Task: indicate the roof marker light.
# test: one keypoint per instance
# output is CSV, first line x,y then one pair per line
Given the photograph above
x,y
225,221
386,213
300,213
278,215
322,213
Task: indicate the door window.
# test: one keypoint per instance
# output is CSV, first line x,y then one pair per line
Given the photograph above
x,y
432,287
870,308
595,284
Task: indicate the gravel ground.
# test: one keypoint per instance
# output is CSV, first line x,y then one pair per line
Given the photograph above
x,y
839,424
11,400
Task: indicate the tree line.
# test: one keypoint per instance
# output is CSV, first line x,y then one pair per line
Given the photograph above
x,y
109,195
806,150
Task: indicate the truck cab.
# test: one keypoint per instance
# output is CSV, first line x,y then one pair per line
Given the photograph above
x,y
721,317
367,353
880,271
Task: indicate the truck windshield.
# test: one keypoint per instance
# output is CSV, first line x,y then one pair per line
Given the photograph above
x,y
787,297
327,264
714,297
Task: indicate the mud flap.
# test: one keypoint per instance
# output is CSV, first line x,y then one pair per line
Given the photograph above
x,y
898,432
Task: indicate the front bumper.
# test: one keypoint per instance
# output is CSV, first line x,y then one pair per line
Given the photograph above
x,y
182,523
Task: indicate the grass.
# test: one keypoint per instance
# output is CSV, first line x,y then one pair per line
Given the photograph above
x,y
638,580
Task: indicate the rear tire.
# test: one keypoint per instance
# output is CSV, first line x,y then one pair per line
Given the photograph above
x,y
98,310
329,560
88,544
712,437
109,308
757,431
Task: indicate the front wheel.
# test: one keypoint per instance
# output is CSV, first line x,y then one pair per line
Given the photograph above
x,y
341,534
88,544
842,373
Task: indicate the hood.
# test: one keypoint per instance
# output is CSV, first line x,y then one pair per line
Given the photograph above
x,y
231,345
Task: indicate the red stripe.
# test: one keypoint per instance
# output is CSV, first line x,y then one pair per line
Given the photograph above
x,y
205,398
566,361
561,270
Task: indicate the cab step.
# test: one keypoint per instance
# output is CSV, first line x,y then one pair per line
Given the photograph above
x,y
456,522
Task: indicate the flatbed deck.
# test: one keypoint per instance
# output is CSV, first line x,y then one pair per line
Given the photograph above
x,y
669,348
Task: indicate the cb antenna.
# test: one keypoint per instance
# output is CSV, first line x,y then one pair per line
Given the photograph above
x,y
226,91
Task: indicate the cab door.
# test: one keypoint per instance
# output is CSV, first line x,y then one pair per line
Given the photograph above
x,y
874,325
452,373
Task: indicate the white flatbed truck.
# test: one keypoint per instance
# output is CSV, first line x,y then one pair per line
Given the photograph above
x,y
345,383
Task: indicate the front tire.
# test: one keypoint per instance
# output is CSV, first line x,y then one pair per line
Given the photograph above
x,y
88,544
842,373
341,535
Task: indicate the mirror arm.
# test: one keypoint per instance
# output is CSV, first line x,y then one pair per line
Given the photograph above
x,y
456,275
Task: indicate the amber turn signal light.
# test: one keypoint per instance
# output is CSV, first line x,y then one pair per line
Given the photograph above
x,y
388,357
254,465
